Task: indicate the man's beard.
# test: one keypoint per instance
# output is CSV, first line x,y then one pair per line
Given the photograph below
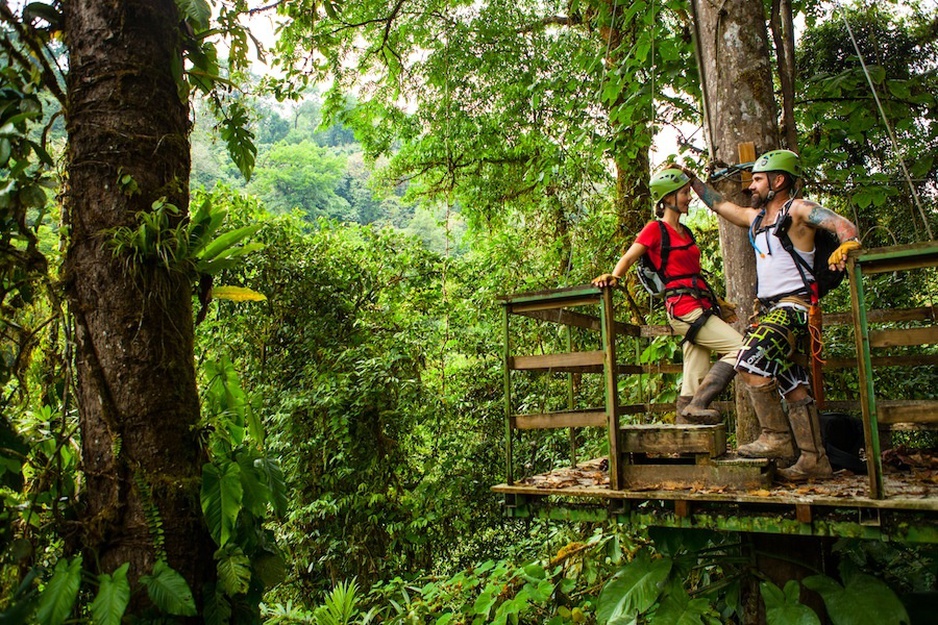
x,y
757,201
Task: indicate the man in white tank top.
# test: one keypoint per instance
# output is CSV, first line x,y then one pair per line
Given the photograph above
x,y
765,363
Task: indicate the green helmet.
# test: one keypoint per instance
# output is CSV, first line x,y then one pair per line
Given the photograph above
x,y
665,182
779,160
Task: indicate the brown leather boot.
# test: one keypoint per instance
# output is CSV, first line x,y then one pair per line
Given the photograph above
x,y
682,402
717,378
775,438
813,462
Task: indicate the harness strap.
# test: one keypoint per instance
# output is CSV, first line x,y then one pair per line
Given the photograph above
x,y
696,325
801,297
782,223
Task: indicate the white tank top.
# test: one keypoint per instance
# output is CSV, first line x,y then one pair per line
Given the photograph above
x,y
776,269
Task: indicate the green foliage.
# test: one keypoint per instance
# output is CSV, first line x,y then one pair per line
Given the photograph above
x,y
152,514
202,71
301,176
234,570
113,597
242,487
633,590
844,138
221,499
521,117
27,181
861,598
58,597
340,607
198,12
784,608
168,590
194,246
239,139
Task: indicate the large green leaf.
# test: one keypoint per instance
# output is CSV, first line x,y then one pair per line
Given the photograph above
x,y
234,570
216,607
227,259
672,541
633,590
864,599
679,609
199,12
221,498
270,469
253,483
240,140
785,608
169,591
57,599
224,242
113,596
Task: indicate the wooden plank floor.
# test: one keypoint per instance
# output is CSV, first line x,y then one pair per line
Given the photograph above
x,y
913,489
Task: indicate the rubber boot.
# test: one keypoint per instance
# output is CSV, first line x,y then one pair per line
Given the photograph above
x,y
813,462
698,411
775,438
682,402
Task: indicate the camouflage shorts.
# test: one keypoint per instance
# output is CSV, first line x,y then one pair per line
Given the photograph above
x,y
769,347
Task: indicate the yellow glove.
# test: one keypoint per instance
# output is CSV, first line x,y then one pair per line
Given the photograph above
x,y
727,310
838,257
606,279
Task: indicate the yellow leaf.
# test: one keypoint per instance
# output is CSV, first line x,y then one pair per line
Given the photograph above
x,y
237,294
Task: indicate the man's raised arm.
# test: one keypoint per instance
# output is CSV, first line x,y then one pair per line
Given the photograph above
x,y
733,213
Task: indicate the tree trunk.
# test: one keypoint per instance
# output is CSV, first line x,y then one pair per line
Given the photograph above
x,y
137,396
736,79
736,82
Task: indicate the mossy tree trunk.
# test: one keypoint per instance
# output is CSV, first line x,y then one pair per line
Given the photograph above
x,y
137,397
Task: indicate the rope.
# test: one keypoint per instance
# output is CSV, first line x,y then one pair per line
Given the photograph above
x,y
882,113
817,343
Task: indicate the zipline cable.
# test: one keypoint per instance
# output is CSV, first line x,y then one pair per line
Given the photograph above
x,y
882,112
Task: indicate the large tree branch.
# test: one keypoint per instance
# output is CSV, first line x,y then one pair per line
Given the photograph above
x,y
781,23
266,8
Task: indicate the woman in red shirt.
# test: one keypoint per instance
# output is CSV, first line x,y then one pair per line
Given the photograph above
x,y
691,306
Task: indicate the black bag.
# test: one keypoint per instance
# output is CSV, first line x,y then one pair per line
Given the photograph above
x,y
825,243
652,278
843,441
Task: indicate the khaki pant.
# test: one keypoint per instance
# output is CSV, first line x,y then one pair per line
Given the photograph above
x,y
716,336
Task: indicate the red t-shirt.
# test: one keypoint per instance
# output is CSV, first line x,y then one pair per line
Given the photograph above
x,y
682,261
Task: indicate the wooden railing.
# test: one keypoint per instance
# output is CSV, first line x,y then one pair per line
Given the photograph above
x,y
879,414
882,414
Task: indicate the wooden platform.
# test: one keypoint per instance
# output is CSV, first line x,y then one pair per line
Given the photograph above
x,y
838,507
663,475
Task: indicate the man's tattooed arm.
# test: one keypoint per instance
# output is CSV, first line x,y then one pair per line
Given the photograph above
x,y
707,195
821,217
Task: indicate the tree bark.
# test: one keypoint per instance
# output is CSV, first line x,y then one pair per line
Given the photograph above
x,y
736,79
137,396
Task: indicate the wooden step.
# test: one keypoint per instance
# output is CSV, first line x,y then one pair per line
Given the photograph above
x,y
728,472
673,440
